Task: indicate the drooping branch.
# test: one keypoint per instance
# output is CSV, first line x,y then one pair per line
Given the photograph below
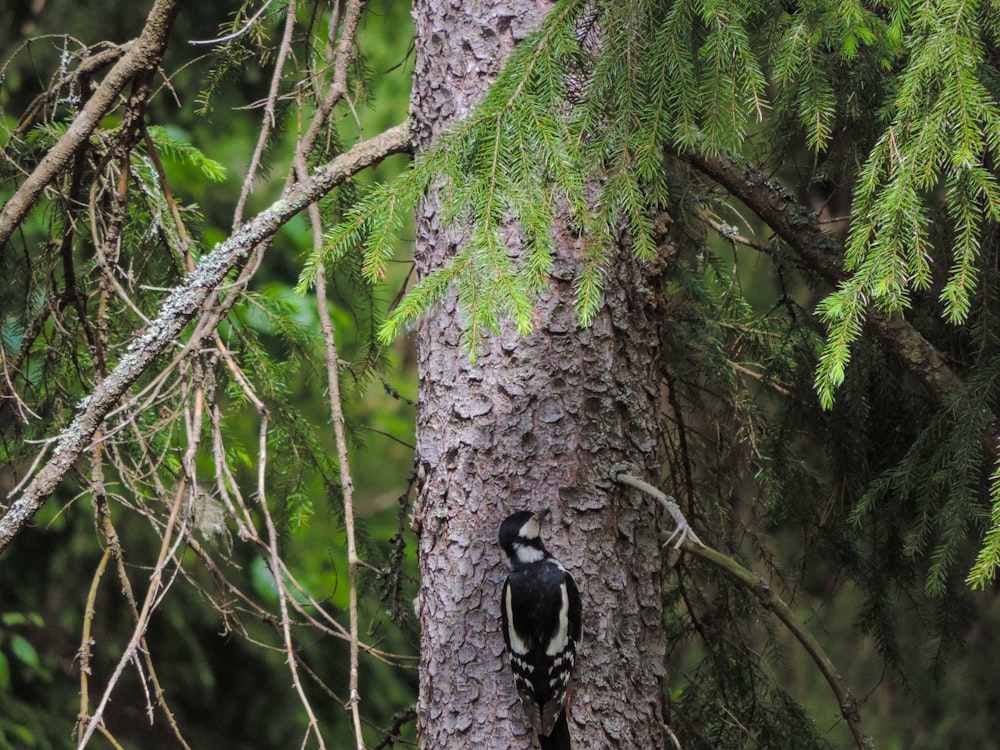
x,y
179,308
821,253
143,55
849,704
689,542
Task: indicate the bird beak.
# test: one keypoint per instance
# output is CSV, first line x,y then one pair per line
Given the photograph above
x,y
541,514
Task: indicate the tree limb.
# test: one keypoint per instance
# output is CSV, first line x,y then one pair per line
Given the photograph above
x,y
822,253
178,309
760,588
143,56
689,542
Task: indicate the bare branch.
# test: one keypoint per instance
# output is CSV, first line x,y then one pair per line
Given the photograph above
x,y
682,531
239,32
156,584
337,417
345,53
279,581
284,51
142,57
180,307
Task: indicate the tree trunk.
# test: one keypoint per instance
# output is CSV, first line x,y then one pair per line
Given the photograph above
x,y
534,422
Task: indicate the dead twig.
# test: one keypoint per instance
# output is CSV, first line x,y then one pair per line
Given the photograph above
x,y
284,51
179,308
143,56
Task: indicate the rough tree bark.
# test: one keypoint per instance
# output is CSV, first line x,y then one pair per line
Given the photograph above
x,y
534,422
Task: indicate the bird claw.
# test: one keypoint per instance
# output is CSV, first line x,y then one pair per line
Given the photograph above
x,y
683,530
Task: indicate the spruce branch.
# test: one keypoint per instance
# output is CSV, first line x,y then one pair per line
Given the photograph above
x,y
820,253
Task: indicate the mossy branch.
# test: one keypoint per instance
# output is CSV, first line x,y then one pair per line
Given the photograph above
x,y
688,541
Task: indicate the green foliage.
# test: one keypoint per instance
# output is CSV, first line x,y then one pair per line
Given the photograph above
x,y
22,672
170,143
104,244
494,168
891,103
939,483
557,120
988,560
580,123
695,75
759,715
864,514
942,131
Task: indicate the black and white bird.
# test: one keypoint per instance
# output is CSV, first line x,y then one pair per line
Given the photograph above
x,y
541,625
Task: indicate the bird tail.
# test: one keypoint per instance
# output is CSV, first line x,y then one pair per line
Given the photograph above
x,y
559,738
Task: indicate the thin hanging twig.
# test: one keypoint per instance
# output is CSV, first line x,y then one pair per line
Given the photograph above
x,y
337,90
114,545
239,32
284,51
168,548
275,557
347,486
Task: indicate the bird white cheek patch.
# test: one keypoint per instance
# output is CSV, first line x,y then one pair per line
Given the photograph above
x,y
528,554
530,530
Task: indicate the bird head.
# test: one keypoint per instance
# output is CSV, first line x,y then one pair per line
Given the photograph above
x,y
521,537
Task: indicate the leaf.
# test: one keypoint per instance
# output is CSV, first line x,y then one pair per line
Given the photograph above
x,y
24,651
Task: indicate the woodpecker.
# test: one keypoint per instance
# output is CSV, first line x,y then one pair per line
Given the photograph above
x,y
541,611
